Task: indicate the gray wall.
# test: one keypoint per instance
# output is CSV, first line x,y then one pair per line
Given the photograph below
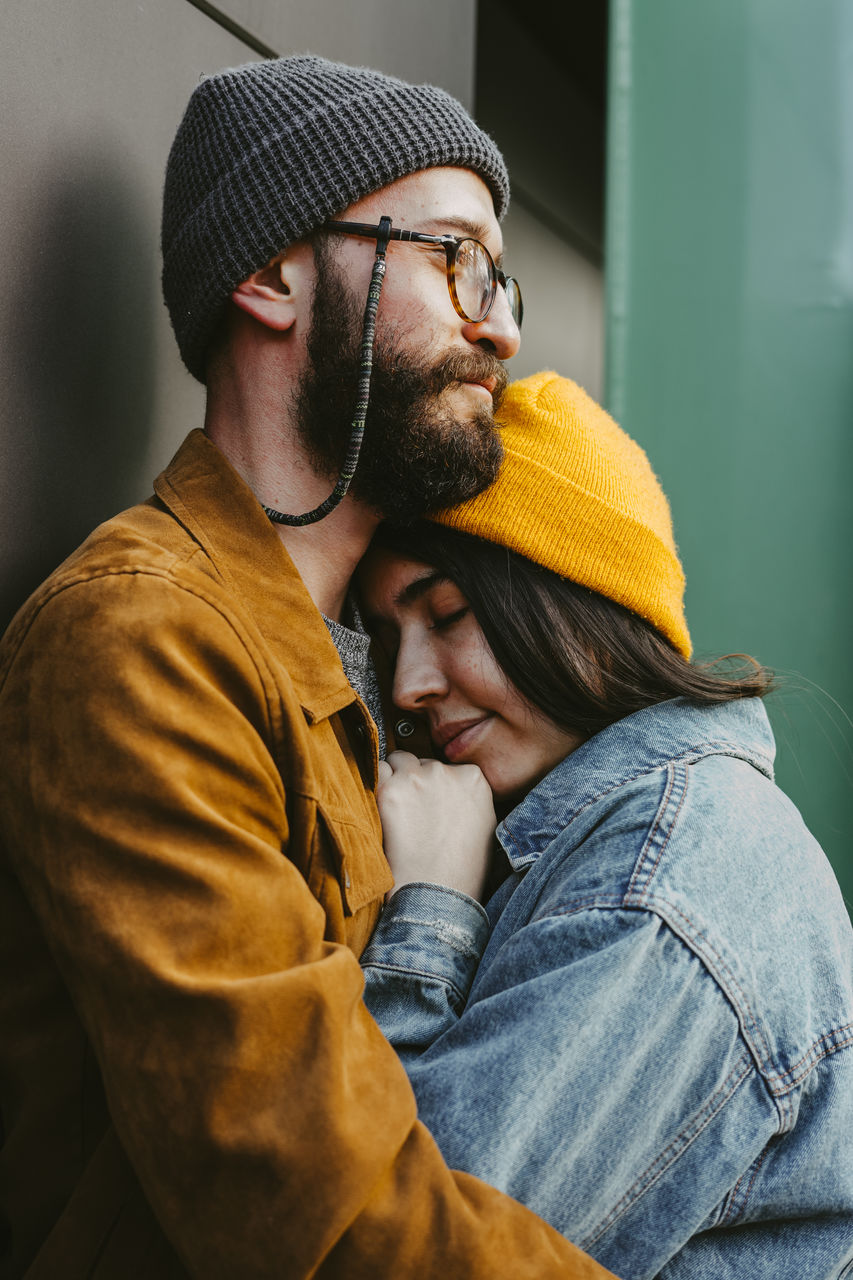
x,y
93,397
411,40
541,94
563,299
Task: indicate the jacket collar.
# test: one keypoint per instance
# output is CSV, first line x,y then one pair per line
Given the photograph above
x,y
639,744
219,510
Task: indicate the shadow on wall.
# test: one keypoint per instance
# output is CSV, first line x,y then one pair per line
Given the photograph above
x,y
79,358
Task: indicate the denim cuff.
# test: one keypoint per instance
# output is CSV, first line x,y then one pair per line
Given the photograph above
x,y
432,931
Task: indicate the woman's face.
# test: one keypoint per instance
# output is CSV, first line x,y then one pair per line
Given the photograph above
x,y
444,670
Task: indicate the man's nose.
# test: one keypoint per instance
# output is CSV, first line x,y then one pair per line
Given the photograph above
x,y
498,330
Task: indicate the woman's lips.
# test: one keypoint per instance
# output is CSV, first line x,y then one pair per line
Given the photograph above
x,y
456,739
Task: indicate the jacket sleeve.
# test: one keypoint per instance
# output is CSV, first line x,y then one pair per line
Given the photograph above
x,y
268,1121
597,1073
420,963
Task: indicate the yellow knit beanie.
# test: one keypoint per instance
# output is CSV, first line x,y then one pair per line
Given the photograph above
x,y
577,495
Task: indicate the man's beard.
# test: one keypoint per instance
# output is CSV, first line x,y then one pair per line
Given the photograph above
x,y
416,457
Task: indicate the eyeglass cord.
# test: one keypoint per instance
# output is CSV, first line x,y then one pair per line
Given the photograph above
x,y
363,395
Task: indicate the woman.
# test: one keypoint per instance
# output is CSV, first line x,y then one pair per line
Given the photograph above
x,y
655,1050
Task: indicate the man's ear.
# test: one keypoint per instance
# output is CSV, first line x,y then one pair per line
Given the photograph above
x,y
270,295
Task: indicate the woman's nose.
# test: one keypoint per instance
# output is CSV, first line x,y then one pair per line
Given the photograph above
x,y
418,678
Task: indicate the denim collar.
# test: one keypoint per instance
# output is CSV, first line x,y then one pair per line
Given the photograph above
x,y
639,744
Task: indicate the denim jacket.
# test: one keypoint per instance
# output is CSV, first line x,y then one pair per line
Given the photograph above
x,y
647,1036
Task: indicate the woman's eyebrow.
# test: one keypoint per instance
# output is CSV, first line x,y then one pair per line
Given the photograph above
x,y
408,595
419,587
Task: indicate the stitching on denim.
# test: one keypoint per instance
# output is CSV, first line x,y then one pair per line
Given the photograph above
x,y
439,980
656,826
733,1209
779,1081
813,1056
676,1148
692,937
701,945
673,777
695,941
512,841
698,944
691,755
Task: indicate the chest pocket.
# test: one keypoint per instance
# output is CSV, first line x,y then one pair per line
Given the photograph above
x,y
348,875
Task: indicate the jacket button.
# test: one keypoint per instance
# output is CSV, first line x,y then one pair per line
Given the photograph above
x,y
361,730
404,729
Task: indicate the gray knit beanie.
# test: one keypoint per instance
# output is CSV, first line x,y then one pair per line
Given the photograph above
x,y
267,152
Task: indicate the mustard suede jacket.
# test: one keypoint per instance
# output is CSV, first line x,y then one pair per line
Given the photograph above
x,y
190,863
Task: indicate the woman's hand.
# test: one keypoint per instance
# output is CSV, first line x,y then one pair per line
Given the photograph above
x,y
438,821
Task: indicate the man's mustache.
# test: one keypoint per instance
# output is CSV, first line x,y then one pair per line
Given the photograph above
x,y
475,366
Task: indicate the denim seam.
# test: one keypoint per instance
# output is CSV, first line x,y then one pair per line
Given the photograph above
x,y
733,1208
676,1148
816,1055
698,945
445,891
440,979
779,1082
640,873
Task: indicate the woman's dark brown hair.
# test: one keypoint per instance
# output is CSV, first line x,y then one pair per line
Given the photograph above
x,y
579,657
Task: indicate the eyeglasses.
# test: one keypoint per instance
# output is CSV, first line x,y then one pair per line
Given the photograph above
x,y
472,277
472,280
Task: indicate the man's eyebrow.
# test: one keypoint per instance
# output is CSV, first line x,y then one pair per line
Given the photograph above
x,y
477,231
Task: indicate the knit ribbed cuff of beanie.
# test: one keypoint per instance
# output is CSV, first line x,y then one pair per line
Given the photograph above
x,y
268,152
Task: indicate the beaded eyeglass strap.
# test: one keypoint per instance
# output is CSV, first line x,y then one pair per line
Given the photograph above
x,y
363,395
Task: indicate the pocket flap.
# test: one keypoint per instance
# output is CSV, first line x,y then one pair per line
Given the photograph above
x,y
359,861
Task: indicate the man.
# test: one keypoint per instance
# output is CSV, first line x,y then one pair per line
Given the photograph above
x,y
192,853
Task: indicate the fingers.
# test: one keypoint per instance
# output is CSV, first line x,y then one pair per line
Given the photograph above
x,y
399,763
402,762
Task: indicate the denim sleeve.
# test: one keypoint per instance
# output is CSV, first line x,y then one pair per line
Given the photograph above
x,y
599,1075
420,962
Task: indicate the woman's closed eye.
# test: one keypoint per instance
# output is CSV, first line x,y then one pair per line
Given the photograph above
x,y
448,619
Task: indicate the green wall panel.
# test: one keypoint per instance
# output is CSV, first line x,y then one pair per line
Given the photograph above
x,y
729,268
